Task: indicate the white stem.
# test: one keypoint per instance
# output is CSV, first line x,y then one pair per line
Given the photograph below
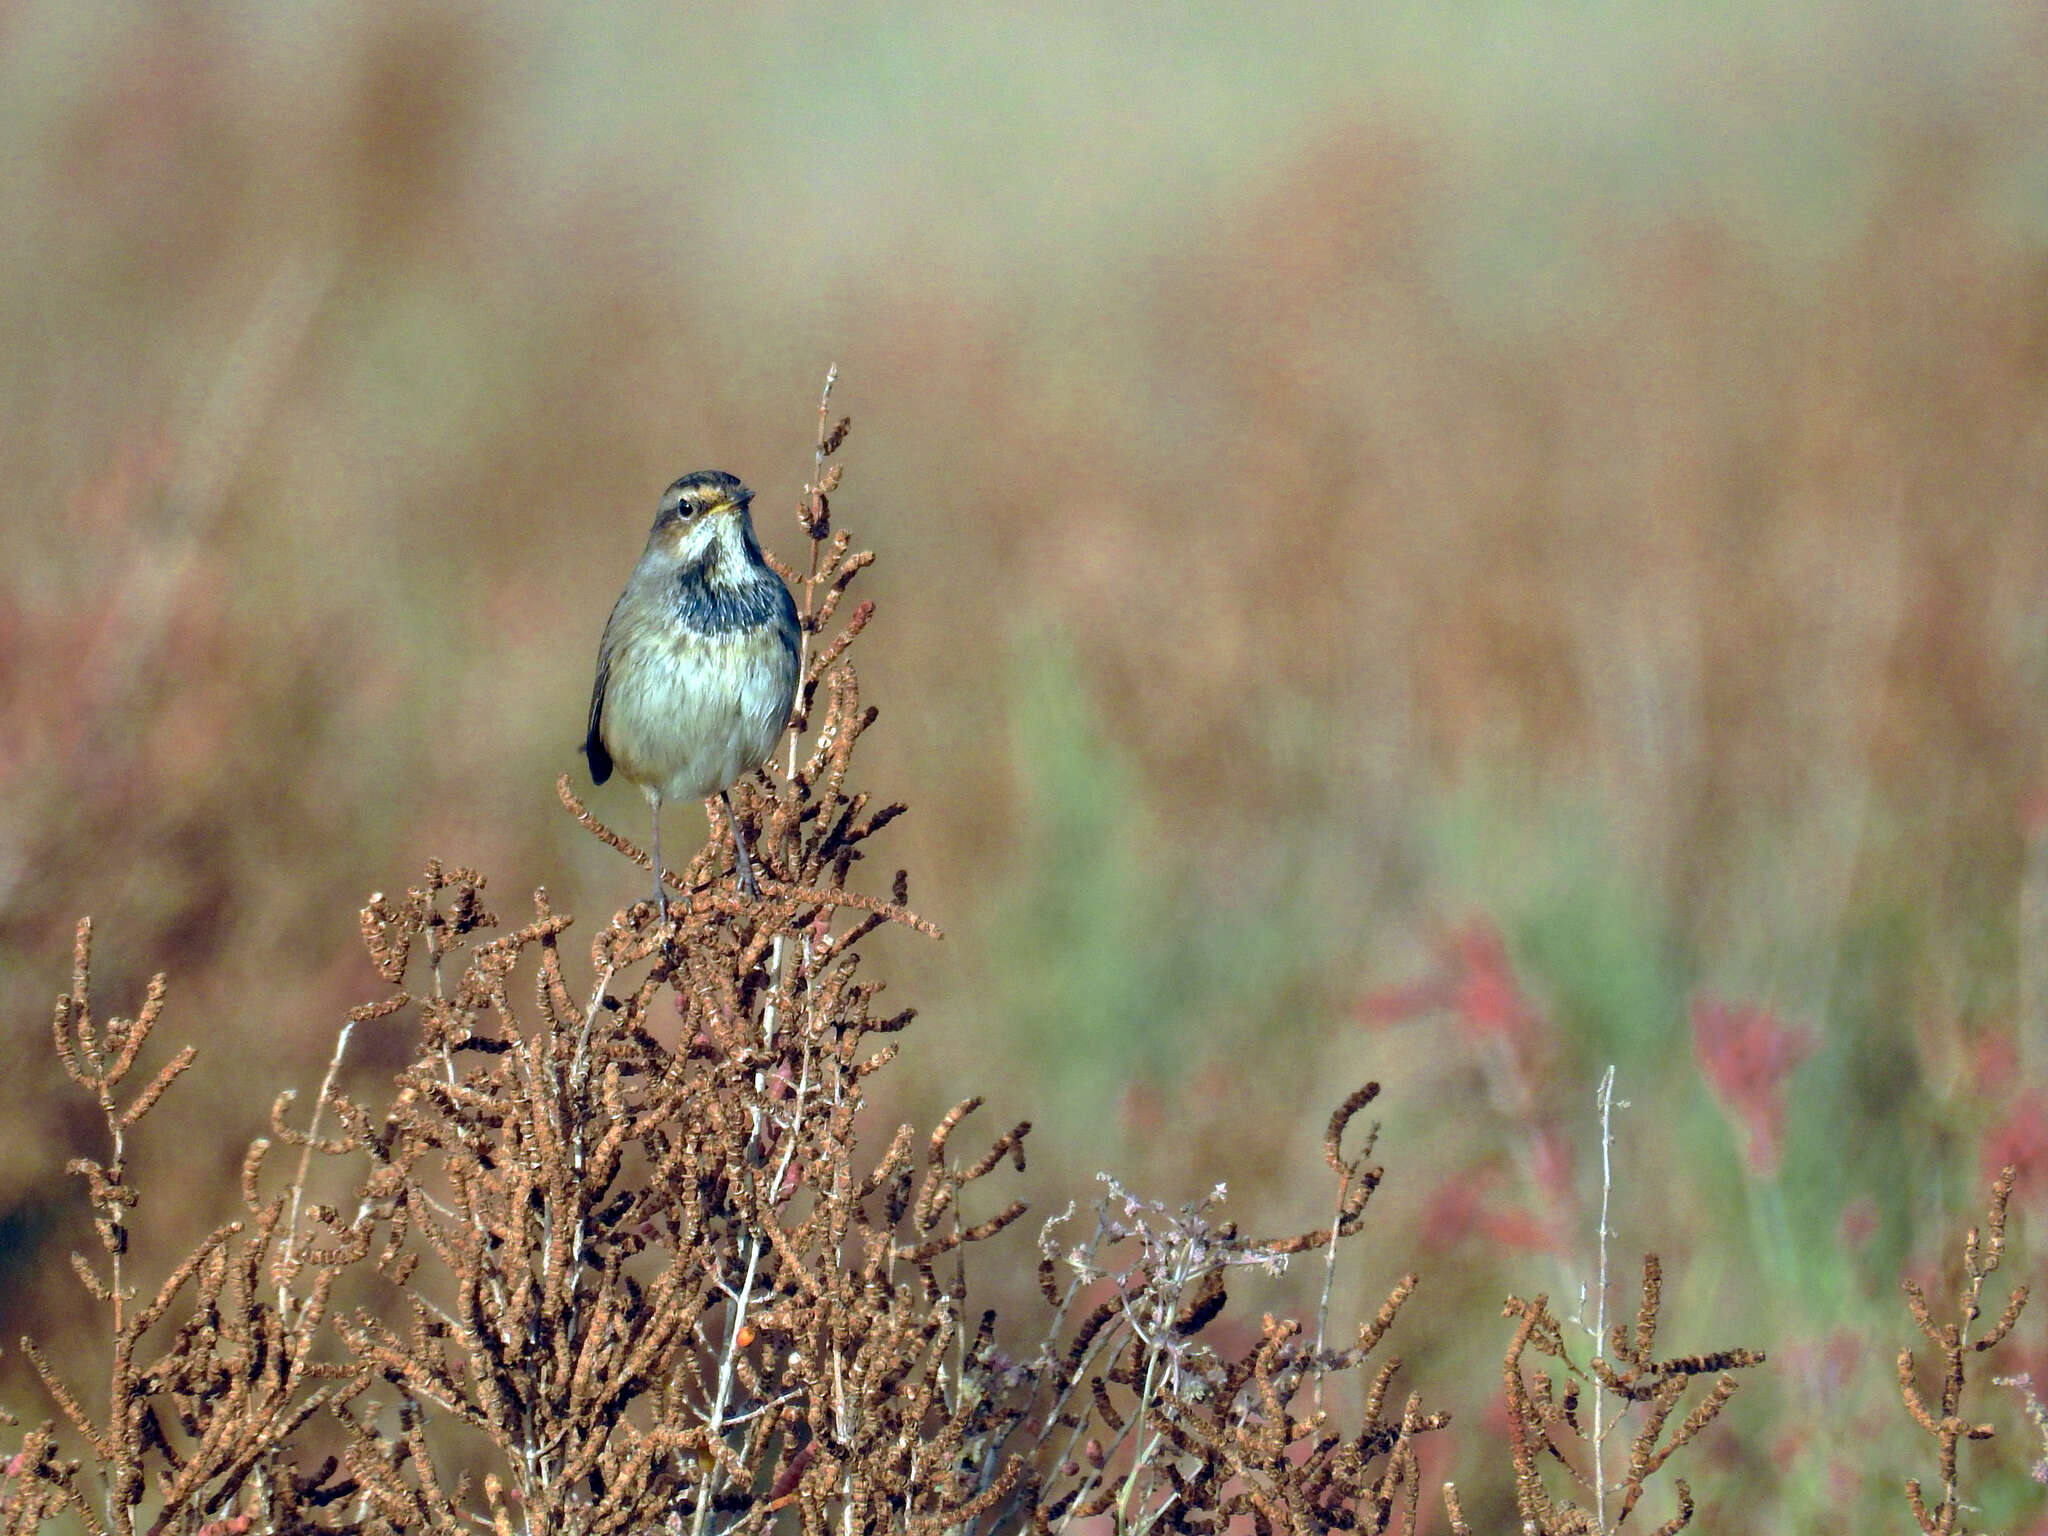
x,y
1605,1099
291,1227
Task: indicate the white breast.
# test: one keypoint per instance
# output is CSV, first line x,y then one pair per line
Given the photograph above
x,y
687,714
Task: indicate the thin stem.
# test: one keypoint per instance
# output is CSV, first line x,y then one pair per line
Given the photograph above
x,y
119,1516
716,1424
1329,1279
291,1229
778,952
1605,1099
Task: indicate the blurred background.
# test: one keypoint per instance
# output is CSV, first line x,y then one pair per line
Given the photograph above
x,y
1458,545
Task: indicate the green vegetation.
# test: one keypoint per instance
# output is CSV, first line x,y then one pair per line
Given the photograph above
x,y
1441,544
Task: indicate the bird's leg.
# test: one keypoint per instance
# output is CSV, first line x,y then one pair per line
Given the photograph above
x,y
739,845
660,896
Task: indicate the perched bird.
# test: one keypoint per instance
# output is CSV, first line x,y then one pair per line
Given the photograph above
x,y
698,666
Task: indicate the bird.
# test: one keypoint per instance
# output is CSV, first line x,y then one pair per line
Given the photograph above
x,y
698,667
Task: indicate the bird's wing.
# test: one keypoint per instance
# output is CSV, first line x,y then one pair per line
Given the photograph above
x,y
788,628
593,743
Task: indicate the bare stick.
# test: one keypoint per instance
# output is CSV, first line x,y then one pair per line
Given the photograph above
x,y
1605,1099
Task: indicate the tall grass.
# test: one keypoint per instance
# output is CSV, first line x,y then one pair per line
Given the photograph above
x,y
1458,513
616,1259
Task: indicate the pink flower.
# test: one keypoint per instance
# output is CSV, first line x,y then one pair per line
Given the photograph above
x,y
1468,1205
1473,981
1748,1055
2020,1140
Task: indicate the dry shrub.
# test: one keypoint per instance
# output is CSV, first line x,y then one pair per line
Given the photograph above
x,y
1548,1413
615,1258
1983,1250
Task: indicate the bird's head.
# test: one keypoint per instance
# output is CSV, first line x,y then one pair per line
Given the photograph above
x,y
703,515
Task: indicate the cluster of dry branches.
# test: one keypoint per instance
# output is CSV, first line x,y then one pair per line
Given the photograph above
x,y
1199,1435
1983,1249
611,1256
1551,1423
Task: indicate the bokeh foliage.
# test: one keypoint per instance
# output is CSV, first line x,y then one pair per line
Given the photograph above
x,y
1344,478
